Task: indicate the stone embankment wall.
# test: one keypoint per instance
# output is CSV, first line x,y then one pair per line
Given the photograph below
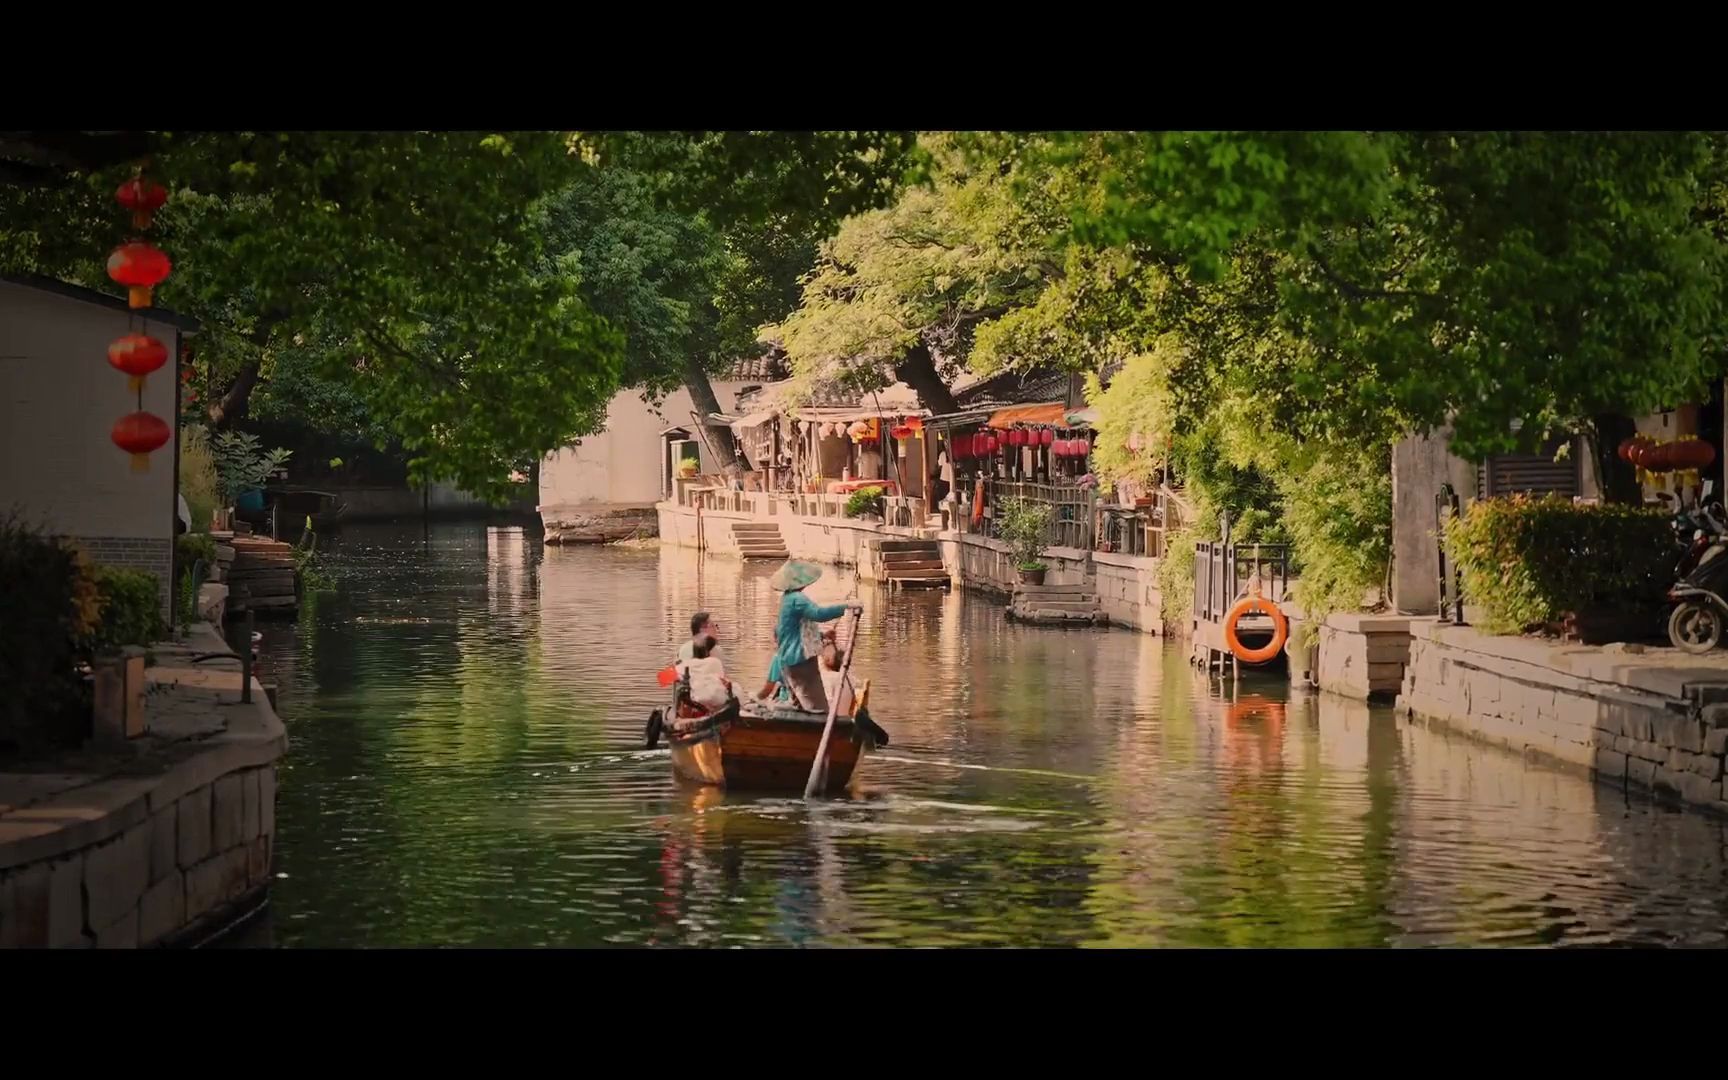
x,y
1127,585
1656,720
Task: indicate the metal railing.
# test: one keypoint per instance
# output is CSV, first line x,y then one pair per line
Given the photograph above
x,y
1223,573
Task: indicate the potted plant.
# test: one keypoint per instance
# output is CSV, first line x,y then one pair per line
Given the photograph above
x,y
241,466
1023,523
864,501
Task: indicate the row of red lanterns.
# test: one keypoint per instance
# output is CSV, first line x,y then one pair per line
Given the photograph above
x,y
1686,454
988,443
140,267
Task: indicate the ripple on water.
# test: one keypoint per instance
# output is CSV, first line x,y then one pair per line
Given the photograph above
x,y
466,710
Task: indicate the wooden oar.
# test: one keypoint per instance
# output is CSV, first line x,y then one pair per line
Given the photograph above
x,y
833,708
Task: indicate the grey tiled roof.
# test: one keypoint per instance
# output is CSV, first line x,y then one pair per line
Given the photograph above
x,y
1015,388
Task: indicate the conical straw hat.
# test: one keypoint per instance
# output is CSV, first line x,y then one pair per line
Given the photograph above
x,y
794,575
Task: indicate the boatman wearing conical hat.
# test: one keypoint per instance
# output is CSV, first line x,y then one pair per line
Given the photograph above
x,y
798,636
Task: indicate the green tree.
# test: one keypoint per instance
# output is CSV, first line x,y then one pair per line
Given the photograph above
x,y
902,291
410,264
1510,283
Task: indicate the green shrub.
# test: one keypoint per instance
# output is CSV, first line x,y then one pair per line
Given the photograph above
x,y
1024,524
51,603
189,549
1530,562
186,600
130,611
192,548
864,501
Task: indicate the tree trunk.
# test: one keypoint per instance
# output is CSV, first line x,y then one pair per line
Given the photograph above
x,y
720,438
232,405
1618,481
917,369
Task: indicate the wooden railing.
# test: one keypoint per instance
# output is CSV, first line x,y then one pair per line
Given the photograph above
x,y
1073,510
1142,530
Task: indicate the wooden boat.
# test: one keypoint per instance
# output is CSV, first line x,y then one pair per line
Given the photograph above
x,y
324,508
763,746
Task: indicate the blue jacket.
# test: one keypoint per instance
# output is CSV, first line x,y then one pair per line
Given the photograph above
x,y
797,612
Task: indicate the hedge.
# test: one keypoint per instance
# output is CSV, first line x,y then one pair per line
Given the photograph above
x,y
1530,563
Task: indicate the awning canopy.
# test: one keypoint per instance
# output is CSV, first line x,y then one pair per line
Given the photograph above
x,y
831,414
1053,413
749,420
949,421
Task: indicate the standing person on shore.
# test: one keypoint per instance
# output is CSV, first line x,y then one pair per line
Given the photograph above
x,y
796,667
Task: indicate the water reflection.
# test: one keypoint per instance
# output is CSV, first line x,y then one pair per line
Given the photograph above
x,y
466,710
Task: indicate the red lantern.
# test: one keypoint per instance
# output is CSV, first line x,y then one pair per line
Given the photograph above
x,y
137,355
140,434
1693,454
1017,437
901,432
1658,458
142,197
992,443
1047,437
140,268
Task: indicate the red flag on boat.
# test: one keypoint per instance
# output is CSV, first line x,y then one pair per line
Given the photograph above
x,y
668,676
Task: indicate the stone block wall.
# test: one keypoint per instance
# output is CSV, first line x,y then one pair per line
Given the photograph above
x,y
1664,742
987,564
1128,588
186,858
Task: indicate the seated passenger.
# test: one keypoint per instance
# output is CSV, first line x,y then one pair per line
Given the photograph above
x,y
709,686
702,630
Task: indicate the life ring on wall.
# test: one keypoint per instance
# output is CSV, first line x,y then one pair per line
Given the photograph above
x,y
1256,605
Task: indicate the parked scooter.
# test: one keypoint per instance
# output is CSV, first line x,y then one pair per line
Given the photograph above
x,y
1696,529
1700,614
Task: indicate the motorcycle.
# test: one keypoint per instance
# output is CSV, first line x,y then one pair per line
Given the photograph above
x,y
1700,613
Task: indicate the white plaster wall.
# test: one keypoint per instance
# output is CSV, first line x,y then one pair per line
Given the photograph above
x,y
622,463
59,399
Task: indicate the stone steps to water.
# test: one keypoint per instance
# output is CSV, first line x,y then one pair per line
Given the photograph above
x,y
759,540
1056,605
913,564
903,558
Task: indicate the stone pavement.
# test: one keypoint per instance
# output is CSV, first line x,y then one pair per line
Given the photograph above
x,y
134,844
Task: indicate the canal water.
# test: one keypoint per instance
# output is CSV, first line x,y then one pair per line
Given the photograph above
x,y
466,712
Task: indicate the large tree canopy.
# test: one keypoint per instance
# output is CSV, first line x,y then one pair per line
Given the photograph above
x,y
413,266
900,292
1510,282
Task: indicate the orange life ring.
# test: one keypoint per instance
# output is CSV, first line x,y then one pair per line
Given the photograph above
x,y
1249,605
